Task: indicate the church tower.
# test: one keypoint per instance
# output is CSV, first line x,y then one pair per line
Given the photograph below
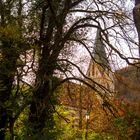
x,y
99,68
99,52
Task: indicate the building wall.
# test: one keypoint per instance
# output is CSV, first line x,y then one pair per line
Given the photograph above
x,y
128,87
84,100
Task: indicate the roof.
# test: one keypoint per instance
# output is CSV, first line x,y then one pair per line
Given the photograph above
x,y
99,50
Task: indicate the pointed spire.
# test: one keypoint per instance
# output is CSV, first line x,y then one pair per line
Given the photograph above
x,y
99,50
99,55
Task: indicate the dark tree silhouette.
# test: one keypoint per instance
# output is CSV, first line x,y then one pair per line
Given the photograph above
x,y
136,16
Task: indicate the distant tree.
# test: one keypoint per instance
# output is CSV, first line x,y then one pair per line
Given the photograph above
x,y
12,46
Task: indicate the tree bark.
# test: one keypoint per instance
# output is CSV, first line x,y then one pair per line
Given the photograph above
x,y
41,109
136,16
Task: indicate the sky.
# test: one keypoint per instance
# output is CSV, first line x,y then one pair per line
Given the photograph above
x,y
80,53
123,47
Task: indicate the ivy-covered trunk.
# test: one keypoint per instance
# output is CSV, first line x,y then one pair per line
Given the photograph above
x,y
41,108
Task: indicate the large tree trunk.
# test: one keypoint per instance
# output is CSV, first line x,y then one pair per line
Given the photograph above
x,y
41,108
136,16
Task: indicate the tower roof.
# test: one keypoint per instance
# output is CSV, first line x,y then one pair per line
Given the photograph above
x,y
99,55
99,52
